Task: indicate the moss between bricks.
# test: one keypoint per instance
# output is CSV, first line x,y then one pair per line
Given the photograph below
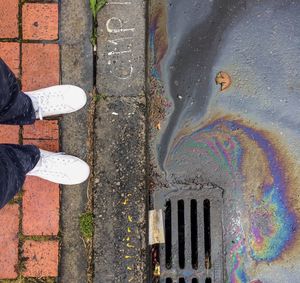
x,y
87,225
22,279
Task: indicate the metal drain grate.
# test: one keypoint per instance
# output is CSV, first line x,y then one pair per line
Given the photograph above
x,y
193,249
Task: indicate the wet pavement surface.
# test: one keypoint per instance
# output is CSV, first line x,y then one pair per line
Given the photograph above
x,y
243,139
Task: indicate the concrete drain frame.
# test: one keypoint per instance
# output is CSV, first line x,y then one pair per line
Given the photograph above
x,y
193,248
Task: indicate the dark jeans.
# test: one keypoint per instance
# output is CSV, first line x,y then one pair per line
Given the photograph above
x,y
15,160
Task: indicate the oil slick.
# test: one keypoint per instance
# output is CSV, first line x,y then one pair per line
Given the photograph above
x,y
158,36
245,140
263,175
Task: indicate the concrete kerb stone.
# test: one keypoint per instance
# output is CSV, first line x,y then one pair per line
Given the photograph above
x,y
76,68
121,48
120,190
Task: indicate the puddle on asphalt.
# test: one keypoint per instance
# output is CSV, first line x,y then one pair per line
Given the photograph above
x,y
227,73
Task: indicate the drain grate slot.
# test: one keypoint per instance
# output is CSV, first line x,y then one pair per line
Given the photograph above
x,y
194,235
207,238
181,233
193,248
168,235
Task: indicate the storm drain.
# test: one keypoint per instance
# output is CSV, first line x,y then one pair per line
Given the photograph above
x,y
193,248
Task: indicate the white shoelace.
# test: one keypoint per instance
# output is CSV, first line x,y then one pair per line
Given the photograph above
x,y
41,101
43,162
40,111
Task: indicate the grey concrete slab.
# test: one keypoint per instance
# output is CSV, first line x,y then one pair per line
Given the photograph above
x,y
121,48
119,190
76,68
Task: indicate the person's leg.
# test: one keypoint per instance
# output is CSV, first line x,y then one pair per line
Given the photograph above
x,y
16,108
60,168
15,162
22,108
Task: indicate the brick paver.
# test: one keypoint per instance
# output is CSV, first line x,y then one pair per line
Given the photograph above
x,y
50,145
9,134
40,65
42,258
9,10
40,21
47,130
39,205
9,223
10,53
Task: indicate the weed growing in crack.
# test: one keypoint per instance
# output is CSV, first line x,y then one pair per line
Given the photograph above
x,y
100,96
87,225
96,6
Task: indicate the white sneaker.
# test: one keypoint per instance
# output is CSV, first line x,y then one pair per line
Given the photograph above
x,y
56,100
61,168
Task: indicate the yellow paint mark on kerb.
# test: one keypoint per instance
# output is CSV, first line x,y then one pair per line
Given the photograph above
x,y
128,256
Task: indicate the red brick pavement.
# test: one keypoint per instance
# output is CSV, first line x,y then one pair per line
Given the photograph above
x,y
10,53
40,65
30,223
40,21
9,11
40,207
42,258
9,221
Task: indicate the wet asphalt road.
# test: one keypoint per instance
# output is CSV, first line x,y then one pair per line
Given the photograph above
x,y
244,139
196,30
